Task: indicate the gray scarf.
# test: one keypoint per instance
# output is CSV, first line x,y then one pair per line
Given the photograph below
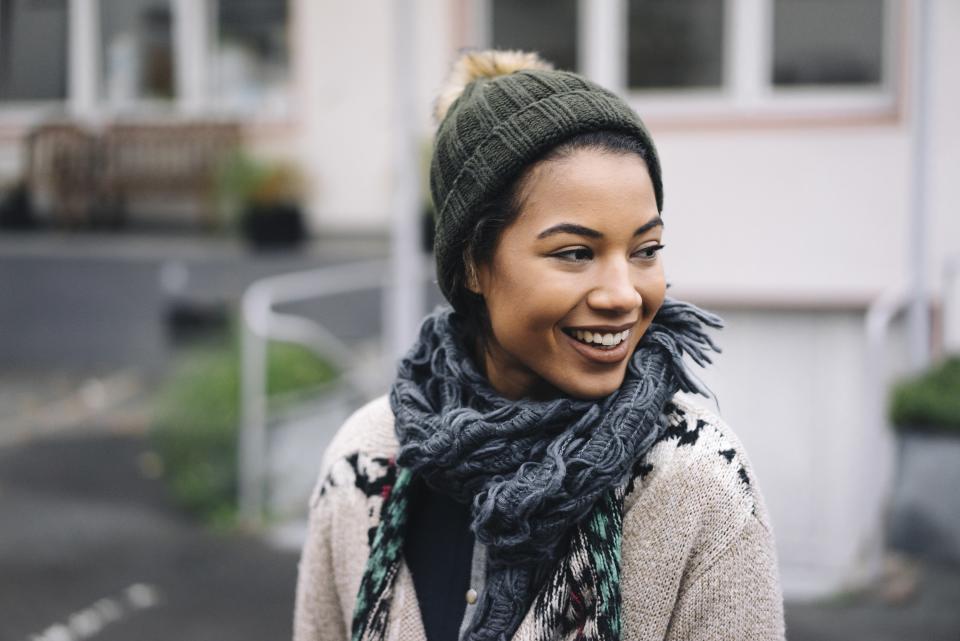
x,y
532,469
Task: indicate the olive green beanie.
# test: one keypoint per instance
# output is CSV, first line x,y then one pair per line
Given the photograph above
x,y
501,111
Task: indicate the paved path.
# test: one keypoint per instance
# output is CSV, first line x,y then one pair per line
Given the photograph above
x,y
921,602
90,548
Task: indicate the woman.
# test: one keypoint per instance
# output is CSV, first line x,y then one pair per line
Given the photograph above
x,y
537,472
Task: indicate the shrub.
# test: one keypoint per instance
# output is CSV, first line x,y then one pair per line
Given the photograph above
x,y
929,402
197,416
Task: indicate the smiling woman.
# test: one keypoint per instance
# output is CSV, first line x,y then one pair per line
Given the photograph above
x,y
538,471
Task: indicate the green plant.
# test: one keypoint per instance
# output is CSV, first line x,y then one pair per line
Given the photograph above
x,y
196,420
243,180
929,402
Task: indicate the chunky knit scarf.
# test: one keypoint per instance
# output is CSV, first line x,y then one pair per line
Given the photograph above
x,y
533,471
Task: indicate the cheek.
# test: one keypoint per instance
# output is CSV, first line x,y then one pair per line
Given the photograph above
x,y
653,290
524,307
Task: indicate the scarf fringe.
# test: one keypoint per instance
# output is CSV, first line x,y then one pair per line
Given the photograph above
x,y
679,328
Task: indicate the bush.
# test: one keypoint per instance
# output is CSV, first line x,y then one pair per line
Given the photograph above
x,y
197,416
929,402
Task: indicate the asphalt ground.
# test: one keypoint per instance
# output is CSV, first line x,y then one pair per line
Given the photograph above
x,y
920,601
91,547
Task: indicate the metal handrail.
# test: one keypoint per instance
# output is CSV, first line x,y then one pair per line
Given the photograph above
x,y
877,322
261,323
950,305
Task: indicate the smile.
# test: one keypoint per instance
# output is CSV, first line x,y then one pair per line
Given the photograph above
x,y
603,348
607,340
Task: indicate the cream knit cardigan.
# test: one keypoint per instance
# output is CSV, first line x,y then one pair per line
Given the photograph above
x,y
698,556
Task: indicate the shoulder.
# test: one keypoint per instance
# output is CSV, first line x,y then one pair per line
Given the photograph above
x,y
369,430
361,453
695,520
698,447
699,471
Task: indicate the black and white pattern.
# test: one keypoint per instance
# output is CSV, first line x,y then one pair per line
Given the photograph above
x,y
704,436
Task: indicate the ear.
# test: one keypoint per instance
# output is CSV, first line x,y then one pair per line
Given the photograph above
x,y
472,278
471,275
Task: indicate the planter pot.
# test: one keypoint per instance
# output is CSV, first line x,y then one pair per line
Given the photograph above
x,y
276,226
16,210
925,510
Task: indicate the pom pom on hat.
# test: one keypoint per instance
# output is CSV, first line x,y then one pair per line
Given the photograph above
x,y
488,63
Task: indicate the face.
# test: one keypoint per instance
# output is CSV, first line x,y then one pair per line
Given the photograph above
x,y
580,263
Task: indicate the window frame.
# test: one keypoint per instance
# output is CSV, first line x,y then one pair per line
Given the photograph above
x,y
194,35
747,93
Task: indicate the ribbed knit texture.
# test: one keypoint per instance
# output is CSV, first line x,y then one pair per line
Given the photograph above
x,y
532,470
497,127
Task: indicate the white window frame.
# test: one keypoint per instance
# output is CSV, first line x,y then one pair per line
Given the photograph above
x,y
194,36
747,91
85,101
207,101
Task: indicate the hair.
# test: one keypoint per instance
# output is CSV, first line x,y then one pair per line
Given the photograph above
x,y
497,212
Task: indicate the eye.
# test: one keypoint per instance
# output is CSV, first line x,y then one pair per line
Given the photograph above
x,y
649,253
574,255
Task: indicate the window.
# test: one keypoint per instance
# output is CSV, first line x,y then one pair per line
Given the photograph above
x,y
250,55
136,51
827,42
684,59
548,27
674,44
129,56
33,50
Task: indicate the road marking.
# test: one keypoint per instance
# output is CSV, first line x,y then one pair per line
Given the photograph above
x,y
89,621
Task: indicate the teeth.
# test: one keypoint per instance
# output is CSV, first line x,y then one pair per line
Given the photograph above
x,y
596,338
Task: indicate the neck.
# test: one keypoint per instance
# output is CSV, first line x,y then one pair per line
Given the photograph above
x,y
510,381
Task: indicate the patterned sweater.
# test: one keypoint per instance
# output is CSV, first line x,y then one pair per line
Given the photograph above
x,y
697,563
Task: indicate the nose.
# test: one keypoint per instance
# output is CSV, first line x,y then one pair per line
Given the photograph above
x,y
616,291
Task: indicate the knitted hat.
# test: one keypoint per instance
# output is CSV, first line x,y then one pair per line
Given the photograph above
x,y
500,112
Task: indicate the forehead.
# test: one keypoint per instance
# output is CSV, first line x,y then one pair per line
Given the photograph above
x,y
605,190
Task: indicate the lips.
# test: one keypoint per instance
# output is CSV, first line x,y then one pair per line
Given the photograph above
x,y
603,329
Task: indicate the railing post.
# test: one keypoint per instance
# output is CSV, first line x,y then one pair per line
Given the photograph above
x,y
253,415
876,437
951,306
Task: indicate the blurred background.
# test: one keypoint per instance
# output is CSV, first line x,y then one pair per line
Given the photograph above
x,y
215,243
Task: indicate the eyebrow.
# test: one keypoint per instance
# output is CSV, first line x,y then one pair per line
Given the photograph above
x,y
580,230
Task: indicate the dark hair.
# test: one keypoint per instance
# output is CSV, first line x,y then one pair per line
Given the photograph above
x,y
497,212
